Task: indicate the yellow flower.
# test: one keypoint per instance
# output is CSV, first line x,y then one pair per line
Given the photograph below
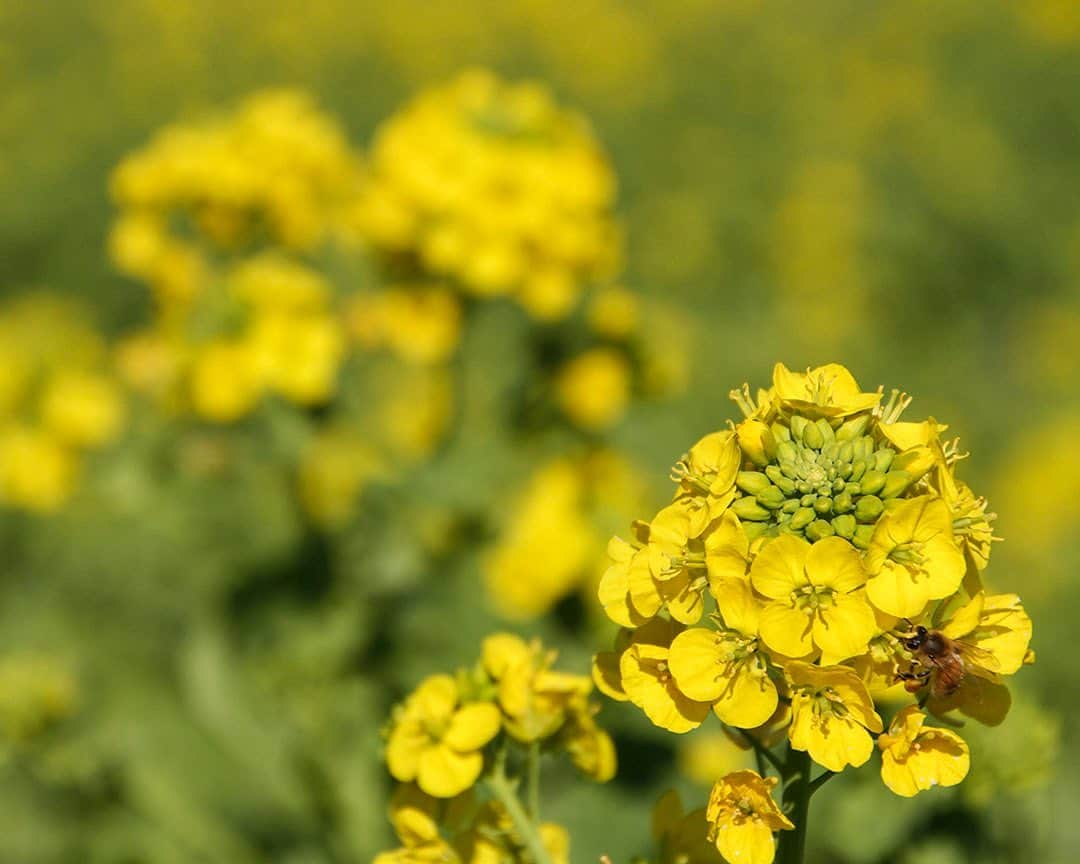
x,y
536,699
606,667
593,389
420,324
590,747
614,313
334,468
913,558
627,591
832,715
83,409
725,667
707,755
915,757
225,382
710,469
742,817
682,838
437,741
37,471
648,683
816,601
825,391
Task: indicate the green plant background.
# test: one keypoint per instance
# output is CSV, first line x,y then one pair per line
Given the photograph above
x,y
890,185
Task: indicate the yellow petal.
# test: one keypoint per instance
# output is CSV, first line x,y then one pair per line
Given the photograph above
x,y
894,592
473,726
737,604
1008,631
407,742
614,595
786,630
666,814
942,759
445,773
835,563
778,568
832,742
698,659
500,651
749,842
606,675
751,699
844,629
982,700
436,697
965,619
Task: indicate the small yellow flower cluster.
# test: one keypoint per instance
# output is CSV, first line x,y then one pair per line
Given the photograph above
x,y
274,173
815,555
419,323
451,742
212,217
497,187
57,401
551,543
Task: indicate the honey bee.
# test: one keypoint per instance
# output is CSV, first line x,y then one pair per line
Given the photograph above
x,y
942,662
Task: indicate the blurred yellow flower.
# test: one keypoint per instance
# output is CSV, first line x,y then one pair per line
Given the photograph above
x,y
614,313
421,324
36,692
83,409
743,816
437,741
682,838
916,757
707,755
334,468
832,715
593,389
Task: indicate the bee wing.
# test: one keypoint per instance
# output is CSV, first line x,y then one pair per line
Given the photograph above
x,y
977,656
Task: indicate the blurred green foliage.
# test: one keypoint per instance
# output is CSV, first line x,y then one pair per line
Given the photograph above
x,y
891,185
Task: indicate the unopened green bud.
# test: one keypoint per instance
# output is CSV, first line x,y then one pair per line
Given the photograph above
x,y
845,452
895,483
845,470
827,433
789,470
802,517
771,498
862,535
798,426
853,428
780,432
786,452
753,530
831,451
871,482
790,506
858,468
842,503
823,505
883,459
804,487
819,529
868,508
862,448
808,500
752,482
778,479
748,508
812,436
852,489
838,485
844,525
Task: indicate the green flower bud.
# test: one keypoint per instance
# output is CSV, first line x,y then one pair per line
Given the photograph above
x,y
852,489
863,448
838,485
845,452
812,437
752,482
895,483
748,508
871,482
790,506
808,500
858,468
827,433
786,452
771,498
819,529
789,469
804,487
868,508
798,426
862,536
883,459
842,503
823,505
780,432
830,452
801,518
853,428
778,479
845,470
844,526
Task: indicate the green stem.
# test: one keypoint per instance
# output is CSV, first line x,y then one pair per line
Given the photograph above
x,y
532,780
502,789
763,753
797,791
821,780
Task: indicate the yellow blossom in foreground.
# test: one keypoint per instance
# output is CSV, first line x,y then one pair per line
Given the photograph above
x,y
725,667
437,741
913,558
915,757
646,677
742,817
593,389
832,715
816,601
826,391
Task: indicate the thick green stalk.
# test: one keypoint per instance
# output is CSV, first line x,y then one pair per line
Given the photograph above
x,y
797,791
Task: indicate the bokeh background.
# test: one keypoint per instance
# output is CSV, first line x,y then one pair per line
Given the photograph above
x,y
202,634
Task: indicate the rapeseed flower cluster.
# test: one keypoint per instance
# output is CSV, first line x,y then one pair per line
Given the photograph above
x,y
58,401
817,555
456,741
496,187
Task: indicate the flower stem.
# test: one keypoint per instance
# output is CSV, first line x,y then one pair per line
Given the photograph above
x,y
502,789
797,790
763,754
532,780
